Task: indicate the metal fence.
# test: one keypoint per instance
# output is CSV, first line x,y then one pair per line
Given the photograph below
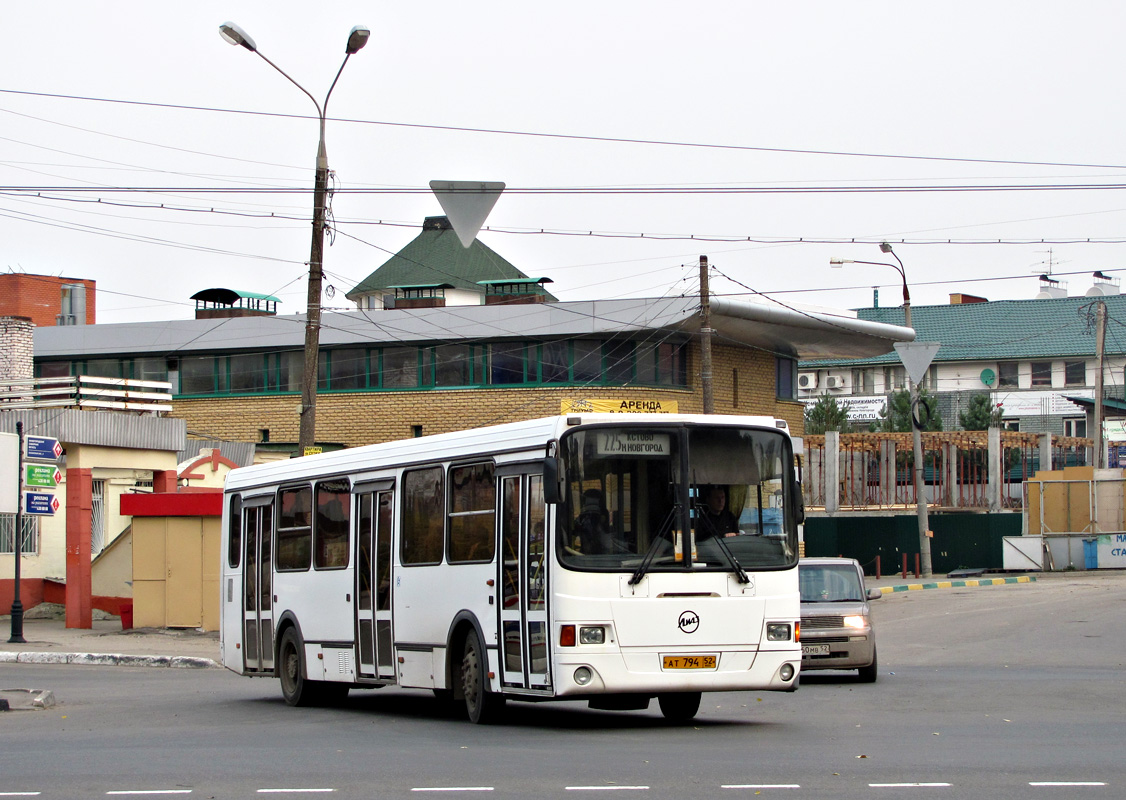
x,y
876,470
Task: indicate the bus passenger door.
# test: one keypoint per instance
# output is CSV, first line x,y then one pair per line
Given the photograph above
x,y
373,585
523,577
258,623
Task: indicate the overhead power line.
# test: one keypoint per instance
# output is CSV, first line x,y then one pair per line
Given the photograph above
x,y
581,137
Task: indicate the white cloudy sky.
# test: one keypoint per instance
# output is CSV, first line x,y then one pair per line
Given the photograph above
x,y
988,82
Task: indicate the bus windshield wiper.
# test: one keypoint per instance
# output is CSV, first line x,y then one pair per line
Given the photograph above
x,y
735,565
666,526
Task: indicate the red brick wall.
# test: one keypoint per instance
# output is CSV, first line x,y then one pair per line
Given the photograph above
x,y
38,297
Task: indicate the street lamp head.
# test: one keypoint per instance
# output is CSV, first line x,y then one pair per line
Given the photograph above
x,y
885,247
233,34
357,38
839,262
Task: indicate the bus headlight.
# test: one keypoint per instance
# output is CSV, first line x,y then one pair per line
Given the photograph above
x,y
583,676
592,635
787,672
778,632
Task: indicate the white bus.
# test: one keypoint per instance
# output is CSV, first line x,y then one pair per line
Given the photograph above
x,y
607,557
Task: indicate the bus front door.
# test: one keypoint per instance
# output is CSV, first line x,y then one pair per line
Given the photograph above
x,y
373,586
523,580
258,622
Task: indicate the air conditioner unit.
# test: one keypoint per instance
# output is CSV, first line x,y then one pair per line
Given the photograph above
x,y
807,380
834,382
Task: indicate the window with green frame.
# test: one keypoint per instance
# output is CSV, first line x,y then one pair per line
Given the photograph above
x,y
587,361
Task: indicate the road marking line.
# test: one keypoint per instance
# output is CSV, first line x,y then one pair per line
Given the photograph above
x,y
1067,783
151,791
291,791
20,794
761,786
907,785
452,789
607,788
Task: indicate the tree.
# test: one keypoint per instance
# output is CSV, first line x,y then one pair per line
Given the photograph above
x,y
896,414
825,415
980,414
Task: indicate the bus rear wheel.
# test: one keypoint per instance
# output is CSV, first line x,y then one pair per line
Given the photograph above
x,y
679,706
482,706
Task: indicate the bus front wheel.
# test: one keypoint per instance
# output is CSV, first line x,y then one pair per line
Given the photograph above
x,y
679,706
296,688
482,706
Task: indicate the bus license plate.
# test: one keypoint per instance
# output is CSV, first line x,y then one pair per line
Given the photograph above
x,y
689,662
815,649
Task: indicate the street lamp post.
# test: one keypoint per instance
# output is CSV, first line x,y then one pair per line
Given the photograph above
x,y
916,428
357,38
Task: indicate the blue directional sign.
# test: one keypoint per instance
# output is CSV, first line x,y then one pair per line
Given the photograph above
x,y
42,448
40,503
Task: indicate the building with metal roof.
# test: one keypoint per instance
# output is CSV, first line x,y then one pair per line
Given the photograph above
x,y
1029,356
435,266
393,373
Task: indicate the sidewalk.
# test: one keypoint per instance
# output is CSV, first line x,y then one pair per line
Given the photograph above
x,y
49,641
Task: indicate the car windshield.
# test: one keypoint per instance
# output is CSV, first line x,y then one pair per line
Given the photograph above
x,y
829,583
631,492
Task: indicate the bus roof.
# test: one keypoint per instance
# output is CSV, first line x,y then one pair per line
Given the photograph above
x,y
507,438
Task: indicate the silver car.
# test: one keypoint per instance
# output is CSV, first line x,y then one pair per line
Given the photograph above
x,y
836,627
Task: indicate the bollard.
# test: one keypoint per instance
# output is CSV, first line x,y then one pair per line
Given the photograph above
x,y
917,572
904,566
878,568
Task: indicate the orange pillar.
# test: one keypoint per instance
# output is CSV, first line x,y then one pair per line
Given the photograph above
x,y
79,520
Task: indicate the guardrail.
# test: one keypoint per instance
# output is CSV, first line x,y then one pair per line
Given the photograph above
x,y
88,392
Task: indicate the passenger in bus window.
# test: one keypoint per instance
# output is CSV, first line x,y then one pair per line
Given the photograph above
x,y
715,517
593,524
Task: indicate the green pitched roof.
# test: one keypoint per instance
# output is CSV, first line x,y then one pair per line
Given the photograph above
x,y
436,257
1002,329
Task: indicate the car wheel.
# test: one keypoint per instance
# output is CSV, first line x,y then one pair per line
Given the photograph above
x,y
482,706
679,706
868,674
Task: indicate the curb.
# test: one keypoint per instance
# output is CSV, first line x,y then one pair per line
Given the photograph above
x,y
909,587
26,699
109,660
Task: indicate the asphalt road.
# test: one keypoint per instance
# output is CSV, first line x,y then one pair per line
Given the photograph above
x,y
1013,690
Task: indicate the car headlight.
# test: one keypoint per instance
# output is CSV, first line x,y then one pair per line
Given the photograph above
x,y
856,621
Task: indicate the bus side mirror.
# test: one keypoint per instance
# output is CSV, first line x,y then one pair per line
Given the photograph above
x,y
551,493
799,505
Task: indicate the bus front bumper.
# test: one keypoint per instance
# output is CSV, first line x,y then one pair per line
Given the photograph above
x,y
654,671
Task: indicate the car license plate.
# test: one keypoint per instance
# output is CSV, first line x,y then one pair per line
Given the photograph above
x,y
688,662
815,649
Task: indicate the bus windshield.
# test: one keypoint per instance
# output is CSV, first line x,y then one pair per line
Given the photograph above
x,y
632,493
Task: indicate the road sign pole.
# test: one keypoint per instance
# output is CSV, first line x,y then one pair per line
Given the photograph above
x,y
17,604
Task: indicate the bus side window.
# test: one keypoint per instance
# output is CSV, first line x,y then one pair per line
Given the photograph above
x,y
331,533
423,516
472,514
295,532
234,542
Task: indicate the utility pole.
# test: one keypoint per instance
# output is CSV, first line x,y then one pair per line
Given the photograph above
x,y
1100,349
706,339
